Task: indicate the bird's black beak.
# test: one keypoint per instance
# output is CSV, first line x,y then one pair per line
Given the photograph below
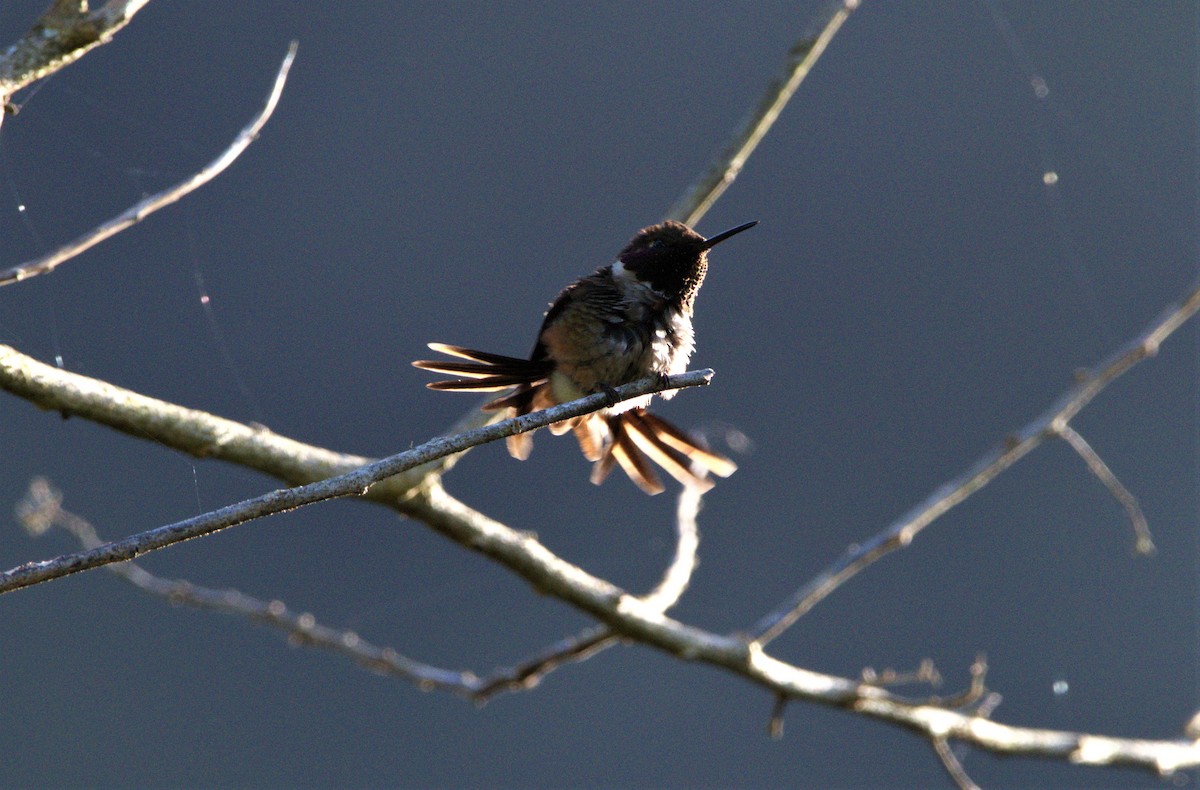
x,y
720,237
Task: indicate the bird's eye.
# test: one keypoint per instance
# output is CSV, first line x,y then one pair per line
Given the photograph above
x,y
654,245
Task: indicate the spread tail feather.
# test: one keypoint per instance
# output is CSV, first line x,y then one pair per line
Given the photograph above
x,y
668,435
635,464
672,461
630,439
636,436
591,433
487,372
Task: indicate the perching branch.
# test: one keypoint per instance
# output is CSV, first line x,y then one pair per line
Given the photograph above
x,y
701,195
41,509
353,483
143,209
1054,422
628,616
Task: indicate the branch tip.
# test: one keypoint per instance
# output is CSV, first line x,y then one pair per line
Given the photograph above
x,y
1143,542
775,725
147,206
952,764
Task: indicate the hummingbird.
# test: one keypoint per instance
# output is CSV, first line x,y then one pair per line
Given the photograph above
x,y
623,322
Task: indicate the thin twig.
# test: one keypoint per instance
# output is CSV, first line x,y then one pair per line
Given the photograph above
x,y
976,693
775,723
352,483
926,673
1050,424
64,33
1143,542
974,700
687,544
145,208
701,195
529,673
41,509
952,764
590,641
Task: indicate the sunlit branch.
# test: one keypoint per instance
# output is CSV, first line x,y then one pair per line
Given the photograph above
x,y
630,617
354,483
590,641
64,33
42,508
626,615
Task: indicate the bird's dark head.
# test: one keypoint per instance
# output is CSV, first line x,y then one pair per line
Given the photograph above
x,y
672,258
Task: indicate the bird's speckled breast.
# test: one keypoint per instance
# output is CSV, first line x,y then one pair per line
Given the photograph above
x,y
598,344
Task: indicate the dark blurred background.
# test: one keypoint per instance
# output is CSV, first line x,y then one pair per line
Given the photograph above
x,y
437,172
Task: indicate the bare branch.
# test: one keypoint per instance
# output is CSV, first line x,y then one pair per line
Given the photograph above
x,y
1144,544
64,34
191,431
354,483
529,673
700,196
41,509
975,697
952,764
901,532
687,544
590,641
145,208
630,617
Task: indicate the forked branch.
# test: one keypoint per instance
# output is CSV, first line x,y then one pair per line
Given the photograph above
x,y
623,614
1054,422
41,509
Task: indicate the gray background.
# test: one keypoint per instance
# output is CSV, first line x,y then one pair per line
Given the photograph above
x,y
437,172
